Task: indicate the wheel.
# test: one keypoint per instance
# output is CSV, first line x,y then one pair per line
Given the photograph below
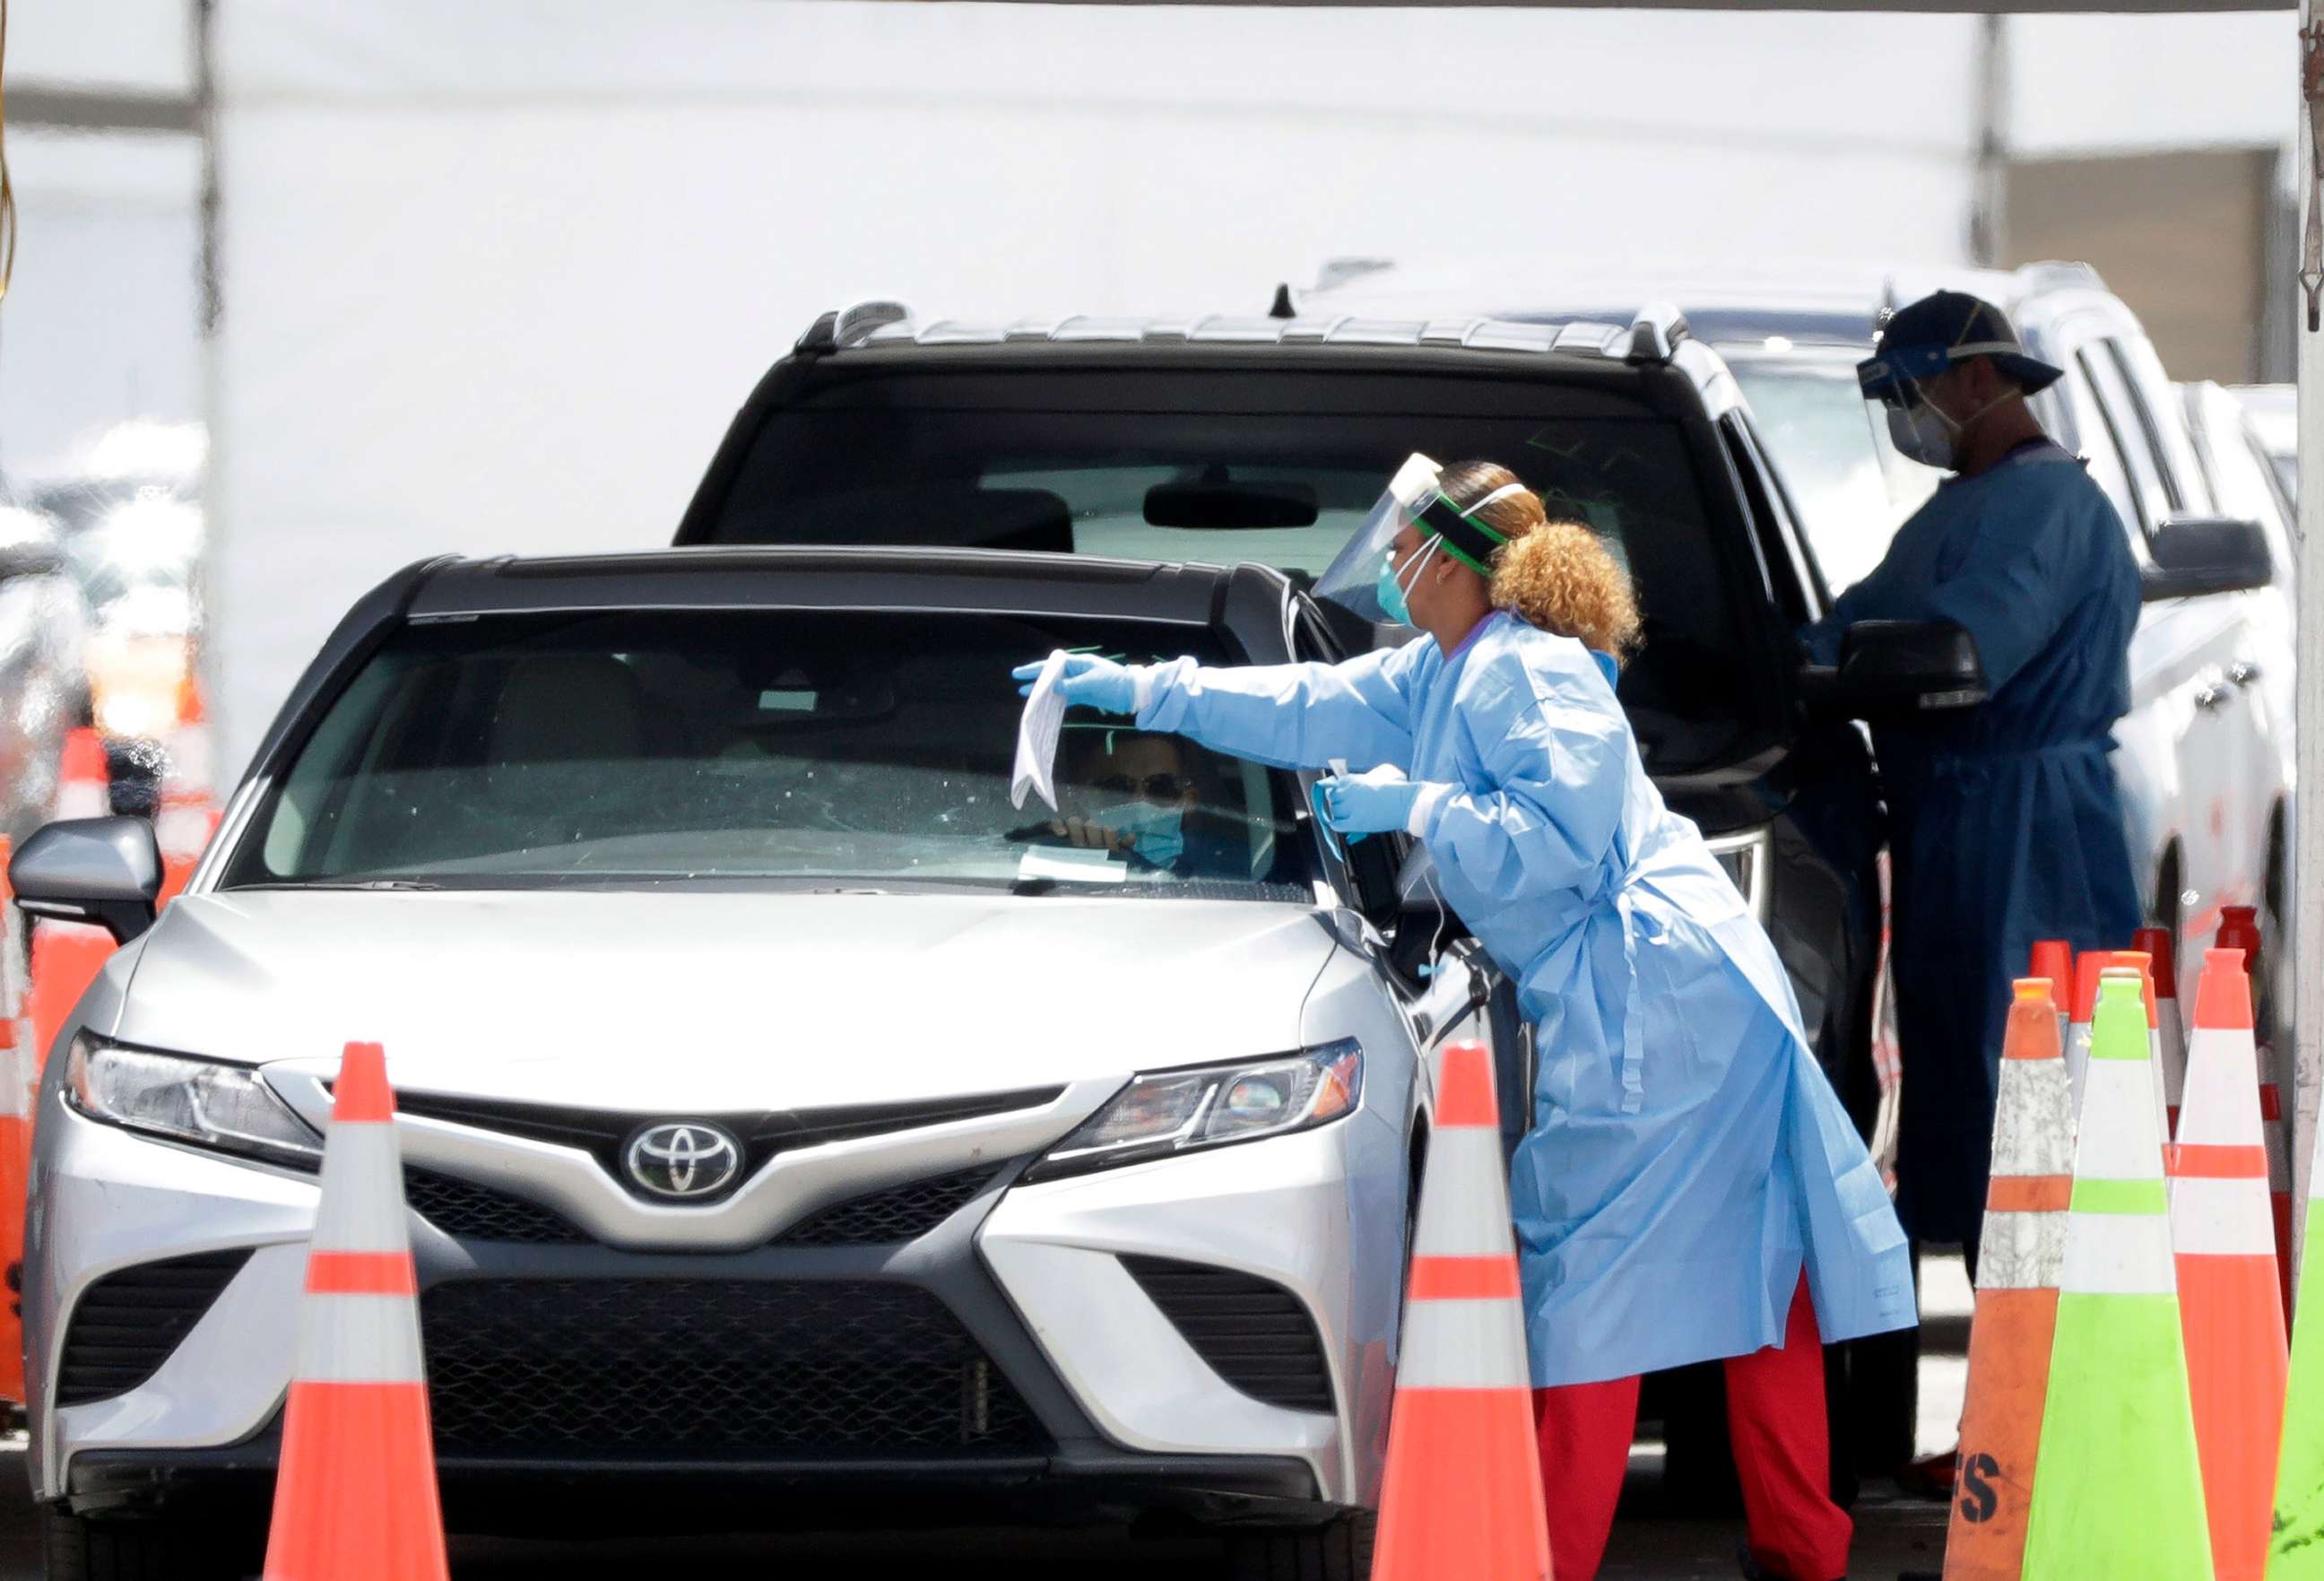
x,y
80,1550
1342,1551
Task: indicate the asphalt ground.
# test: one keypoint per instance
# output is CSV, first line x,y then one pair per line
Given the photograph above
x,y
1894,1535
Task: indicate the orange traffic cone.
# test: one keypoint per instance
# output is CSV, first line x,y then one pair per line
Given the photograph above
x,y
2139,961
2171,1032
2239,930
2019,1259
83,787
1462,1495
187,813
2230,1303
355,1498
15,1141
2053,963
67,957
2087,971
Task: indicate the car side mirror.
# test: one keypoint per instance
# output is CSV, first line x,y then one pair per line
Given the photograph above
x,y
101,870
2197,555
1889,668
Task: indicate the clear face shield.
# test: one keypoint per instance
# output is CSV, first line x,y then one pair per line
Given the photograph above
x,y
1900,380
1352,580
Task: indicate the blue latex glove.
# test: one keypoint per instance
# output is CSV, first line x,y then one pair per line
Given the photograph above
x,y
1374,803
1089,680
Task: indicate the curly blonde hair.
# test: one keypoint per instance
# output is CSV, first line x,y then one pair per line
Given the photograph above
x,y
1555,573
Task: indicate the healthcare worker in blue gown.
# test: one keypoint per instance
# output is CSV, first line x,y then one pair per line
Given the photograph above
x,y
1690,1187
2005,823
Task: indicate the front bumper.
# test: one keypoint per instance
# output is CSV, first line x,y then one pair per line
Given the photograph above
x,y
1018,1291
1075,1485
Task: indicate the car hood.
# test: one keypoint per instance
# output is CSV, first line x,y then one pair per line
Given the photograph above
x,y
724,1001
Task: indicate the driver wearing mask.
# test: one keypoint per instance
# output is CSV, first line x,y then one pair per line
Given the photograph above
x,y
1139,798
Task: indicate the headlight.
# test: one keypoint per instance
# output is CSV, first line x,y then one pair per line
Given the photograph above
x,y
225,1106
1172,1111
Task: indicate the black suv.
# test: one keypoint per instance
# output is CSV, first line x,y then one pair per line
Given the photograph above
x,y
1221,440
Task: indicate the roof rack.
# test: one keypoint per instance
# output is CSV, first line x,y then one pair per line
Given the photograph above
x,y
1654,335
853,325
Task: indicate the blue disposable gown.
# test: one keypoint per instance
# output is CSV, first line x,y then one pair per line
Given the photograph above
x,y
2005,823
1686,1156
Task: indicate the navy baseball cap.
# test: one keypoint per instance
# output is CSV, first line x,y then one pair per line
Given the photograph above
x,y
1922,339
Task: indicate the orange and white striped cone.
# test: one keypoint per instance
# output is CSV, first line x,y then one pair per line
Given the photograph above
x,y
2019,1259
2230,1303
355,1496
15,1139
2239,930
2126,962
2087,972
2171,1032
2053,963
187,815
1461,1494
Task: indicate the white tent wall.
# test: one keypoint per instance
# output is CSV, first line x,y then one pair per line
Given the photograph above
x,y
102,322
497,274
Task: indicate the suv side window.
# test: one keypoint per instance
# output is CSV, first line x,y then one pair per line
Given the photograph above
x,y
1777,544
2096,437
2150,387
2133,431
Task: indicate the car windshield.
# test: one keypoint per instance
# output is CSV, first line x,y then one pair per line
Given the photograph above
x,y
1851,489
801,749
1254,465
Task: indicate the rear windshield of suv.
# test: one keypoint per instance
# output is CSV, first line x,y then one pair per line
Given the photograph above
x,y
1277,468
793,749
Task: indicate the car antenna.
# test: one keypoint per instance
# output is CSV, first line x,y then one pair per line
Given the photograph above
x,y
1283,307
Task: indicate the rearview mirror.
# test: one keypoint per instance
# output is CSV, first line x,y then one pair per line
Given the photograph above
x,y
1218,502
1889,668
2200,555
101,870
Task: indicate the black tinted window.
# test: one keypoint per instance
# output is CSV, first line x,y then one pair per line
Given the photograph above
x,y
1276,469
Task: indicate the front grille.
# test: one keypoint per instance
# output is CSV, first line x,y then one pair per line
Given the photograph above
x,y
604,1133
127,1324
1253,1333
711,1370
472,1212
901,1212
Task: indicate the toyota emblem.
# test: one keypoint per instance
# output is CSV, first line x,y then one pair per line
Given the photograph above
x,y
683,1158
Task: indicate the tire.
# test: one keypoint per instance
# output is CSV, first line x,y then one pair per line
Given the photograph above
x,y
1342,1551
80,1549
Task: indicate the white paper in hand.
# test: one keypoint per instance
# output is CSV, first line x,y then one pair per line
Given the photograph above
x,y
1036,737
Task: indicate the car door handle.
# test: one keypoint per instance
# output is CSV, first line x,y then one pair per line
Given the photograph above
x,y
2243,673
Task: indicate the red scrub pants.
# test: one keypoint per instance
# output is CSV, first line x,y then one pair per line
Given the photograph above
x,y
1783,1454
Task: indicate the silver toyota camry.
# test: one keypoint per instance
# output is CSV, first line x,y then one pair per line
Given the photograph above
x,y
795,1130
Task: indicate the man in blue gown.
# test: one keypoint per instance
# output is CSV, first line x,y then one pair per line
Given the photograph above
x,y
2005,823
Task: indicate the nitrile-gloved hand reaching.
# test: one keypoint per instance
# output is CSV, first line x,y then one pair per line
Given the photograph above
x,y
1370,803
1090,680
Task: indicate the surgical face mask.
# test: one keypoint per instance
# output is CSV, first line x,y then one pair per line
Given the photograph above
x,y
1156,834
1394,592
1922,433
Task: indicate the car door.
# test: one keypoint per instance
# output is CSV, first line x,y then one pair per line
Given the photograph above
x,y
2244,486
1450,990
2180,734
